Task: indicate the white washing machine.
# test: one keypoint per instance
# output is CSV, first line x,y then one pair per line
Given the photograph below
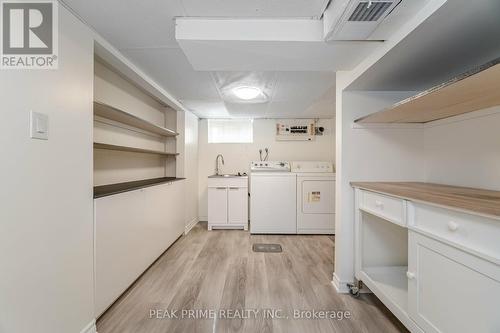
x,y
315,197
272,198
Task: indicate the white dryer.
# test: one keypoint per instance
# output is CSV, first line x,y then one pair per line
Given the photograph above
x,y
315,197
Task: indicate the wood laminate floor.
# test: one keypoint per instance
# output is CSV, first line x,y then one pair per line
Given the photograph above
x,y
215,272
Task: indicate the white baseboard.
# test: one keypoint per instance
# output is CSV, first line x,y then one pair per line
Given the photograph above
x,y
190,226
203,218
90,328
340,287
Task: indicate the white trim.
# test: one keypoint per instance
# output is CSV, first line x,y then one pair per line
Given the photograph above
x,y
388,126
190,225
203,218
90,328
340,287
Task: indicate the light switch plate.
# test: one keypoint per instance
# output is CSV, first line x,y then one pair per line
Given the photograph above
x,y
39,126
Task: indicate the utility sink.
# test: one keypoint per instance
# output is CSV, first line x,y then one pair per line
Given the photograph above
x,y
226,176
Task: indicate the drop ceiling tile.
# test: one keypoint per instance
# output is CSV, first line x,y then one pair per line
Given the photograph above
x,y
170,68
303,85
143,23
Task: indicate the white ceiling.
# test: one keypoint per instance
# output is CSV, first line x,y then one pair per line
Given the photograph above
x,y
144,31
458,36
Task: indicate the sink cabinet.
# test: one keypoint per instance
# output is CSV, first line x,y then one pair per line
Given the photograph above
x,y
228,203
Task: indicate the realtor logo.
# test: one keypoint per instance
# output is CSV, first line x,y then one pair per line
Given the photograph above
x,y
29,34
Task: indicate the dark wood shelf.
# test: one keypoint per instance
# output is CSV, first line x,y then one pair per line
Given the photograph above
x,y
471,91
106,111
98,145
110,189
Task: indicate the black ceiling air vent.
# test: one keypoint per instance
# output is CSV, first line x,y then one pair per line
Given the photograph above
x,y
369,11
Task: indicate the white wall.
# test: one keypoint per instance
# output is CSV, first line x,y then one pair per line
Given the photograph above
x,y
191,168
46,214
238,156
369,154
465,150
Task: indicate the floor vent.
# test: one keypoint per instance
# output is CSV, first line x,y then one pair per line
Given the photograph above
x,y
267,248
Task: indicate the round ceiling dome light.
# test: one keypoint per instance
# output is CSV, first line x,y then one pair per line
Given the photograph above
x,y
247,93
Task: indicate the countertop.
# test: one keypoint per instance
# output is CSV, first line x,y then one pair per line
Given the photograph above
x,y
484,202
105,190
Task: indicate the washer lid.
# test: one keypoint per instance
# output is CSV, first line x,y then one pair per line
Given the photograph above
x,y
312,167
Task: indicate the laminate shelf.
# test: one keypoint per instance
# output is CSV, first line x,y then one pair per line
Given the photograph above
x,y
485,202
98,145
112,113
471,91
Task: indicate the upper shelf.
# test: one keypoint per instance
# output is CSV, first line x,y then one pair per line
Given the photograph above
x,y
471,91
98,145
109,112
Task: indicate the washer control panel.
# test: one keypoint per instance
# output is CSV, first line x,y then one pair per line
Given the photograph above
x,y
270,166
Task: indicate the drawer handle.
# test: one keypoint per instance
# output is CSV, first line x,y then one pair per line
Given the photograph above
x,y
410,275
220,188
379,204
452,226
233,188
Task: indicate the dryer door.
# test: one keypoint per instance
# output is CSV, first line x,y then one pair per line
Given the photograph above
x,y
318,196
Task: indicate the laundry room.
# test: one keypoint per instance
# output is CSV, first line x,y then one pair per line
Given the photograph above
x,y
264,144
209,166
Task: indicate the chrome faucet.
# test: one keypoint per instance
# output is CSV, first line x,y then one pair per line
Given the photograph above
x,y
217,163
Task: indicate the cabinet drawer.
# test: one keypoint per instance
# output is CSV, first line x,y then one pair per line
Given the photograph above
x,y
228,182
386,207
476,233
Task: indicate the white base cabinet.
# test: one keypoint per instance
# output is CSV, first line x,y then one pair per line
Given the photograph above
x,y
450,290
228,203
132,229
437,269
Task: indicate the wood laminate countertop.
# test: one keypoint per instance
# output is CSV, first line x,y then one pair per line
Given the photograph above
x,y
484,202
105,190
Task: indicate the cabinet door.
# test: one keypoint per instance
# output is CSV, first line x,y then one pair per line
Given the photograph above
x,y
237,205
217,205
450,290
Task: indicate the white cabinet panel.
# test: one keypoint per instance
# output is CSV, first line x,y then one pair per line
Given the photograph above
x,y
131,230
237,205
217,205
450,290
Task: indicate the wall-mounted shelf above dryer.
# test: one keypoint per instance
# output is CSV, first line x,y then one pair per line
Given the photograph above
x,y
106,146
106,111
471,91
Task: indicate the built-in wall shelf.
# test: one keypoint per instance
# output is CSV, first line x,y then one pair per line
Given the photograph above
x,y
471,91
98,145
117,188
106,111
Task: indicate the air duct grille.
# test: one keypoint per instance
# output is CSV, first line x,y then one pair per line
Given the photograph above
x,y
369,11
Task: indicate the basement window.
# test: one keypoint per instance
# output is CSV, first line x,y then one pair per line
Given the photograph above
x,y
230,131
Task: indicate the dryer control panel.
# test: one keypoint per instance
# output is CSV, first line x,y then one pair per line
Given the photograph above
x,y
269,166
312,166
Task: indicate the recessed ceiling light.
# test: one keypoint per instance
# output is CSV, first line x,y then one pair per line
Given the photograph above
x,y
247,93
